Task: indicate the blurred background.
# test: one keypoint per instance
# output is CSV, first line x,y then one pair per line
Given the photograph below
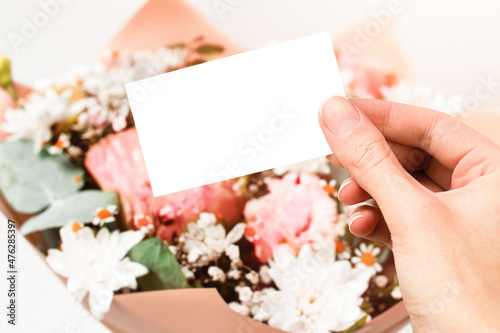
x,y
449,45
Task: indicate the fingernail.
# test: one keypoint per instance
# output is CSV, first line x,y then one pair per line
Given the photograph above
x,y
354,217
339,115
344,185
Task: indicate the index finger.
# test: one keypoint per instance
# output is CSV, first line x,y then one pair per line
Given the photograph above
x,y
444,137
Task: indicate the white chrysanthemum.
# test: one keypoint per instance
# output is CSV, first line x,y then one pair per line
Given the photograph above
x,y
96,264
34,120
423,96
316,165
205,240
316,293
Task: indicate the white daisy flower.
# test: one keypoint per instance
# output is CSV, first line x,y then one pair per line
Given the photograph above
x,y
316,293
144,222
105,215
34,119
342,250
61,143
366,257
329,187
70,230
96,264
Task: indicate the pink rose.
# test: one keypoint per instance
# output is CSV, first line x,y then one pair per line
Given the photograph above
x,y
296,211
117,164
174,211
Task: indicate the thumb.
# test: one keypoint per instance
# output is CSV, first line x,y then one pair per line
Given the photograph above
x,y
363,151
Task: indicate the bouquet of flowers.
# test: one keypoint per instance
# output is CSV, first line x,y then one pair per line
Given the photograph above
x,y
275,244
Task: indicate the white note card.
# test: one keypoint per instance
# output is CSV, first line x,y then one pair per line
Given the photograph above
x,y
235,116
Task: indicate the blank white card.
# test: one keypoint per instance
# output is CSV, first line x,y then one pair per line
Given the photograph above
x,y
235,116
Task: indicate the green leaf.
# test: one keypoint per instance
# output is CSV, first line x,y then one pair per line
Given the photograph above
x,y
156,256
357,325
30,181
209,49
151,282
80,207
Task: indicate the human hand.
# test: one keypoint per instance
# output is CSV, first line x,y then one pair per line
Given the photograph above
x,y
436,182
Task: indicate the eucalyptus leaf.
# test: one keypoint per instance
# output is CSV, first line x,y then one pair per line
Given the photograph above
x,y
156,256
80,206
31,180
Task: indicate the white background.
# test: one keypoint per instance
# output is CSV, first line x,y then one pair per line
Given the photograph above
x,y
450,44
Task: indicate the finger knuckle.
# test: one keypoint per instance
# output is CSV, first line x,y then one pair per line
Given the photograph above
x,y
370,155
